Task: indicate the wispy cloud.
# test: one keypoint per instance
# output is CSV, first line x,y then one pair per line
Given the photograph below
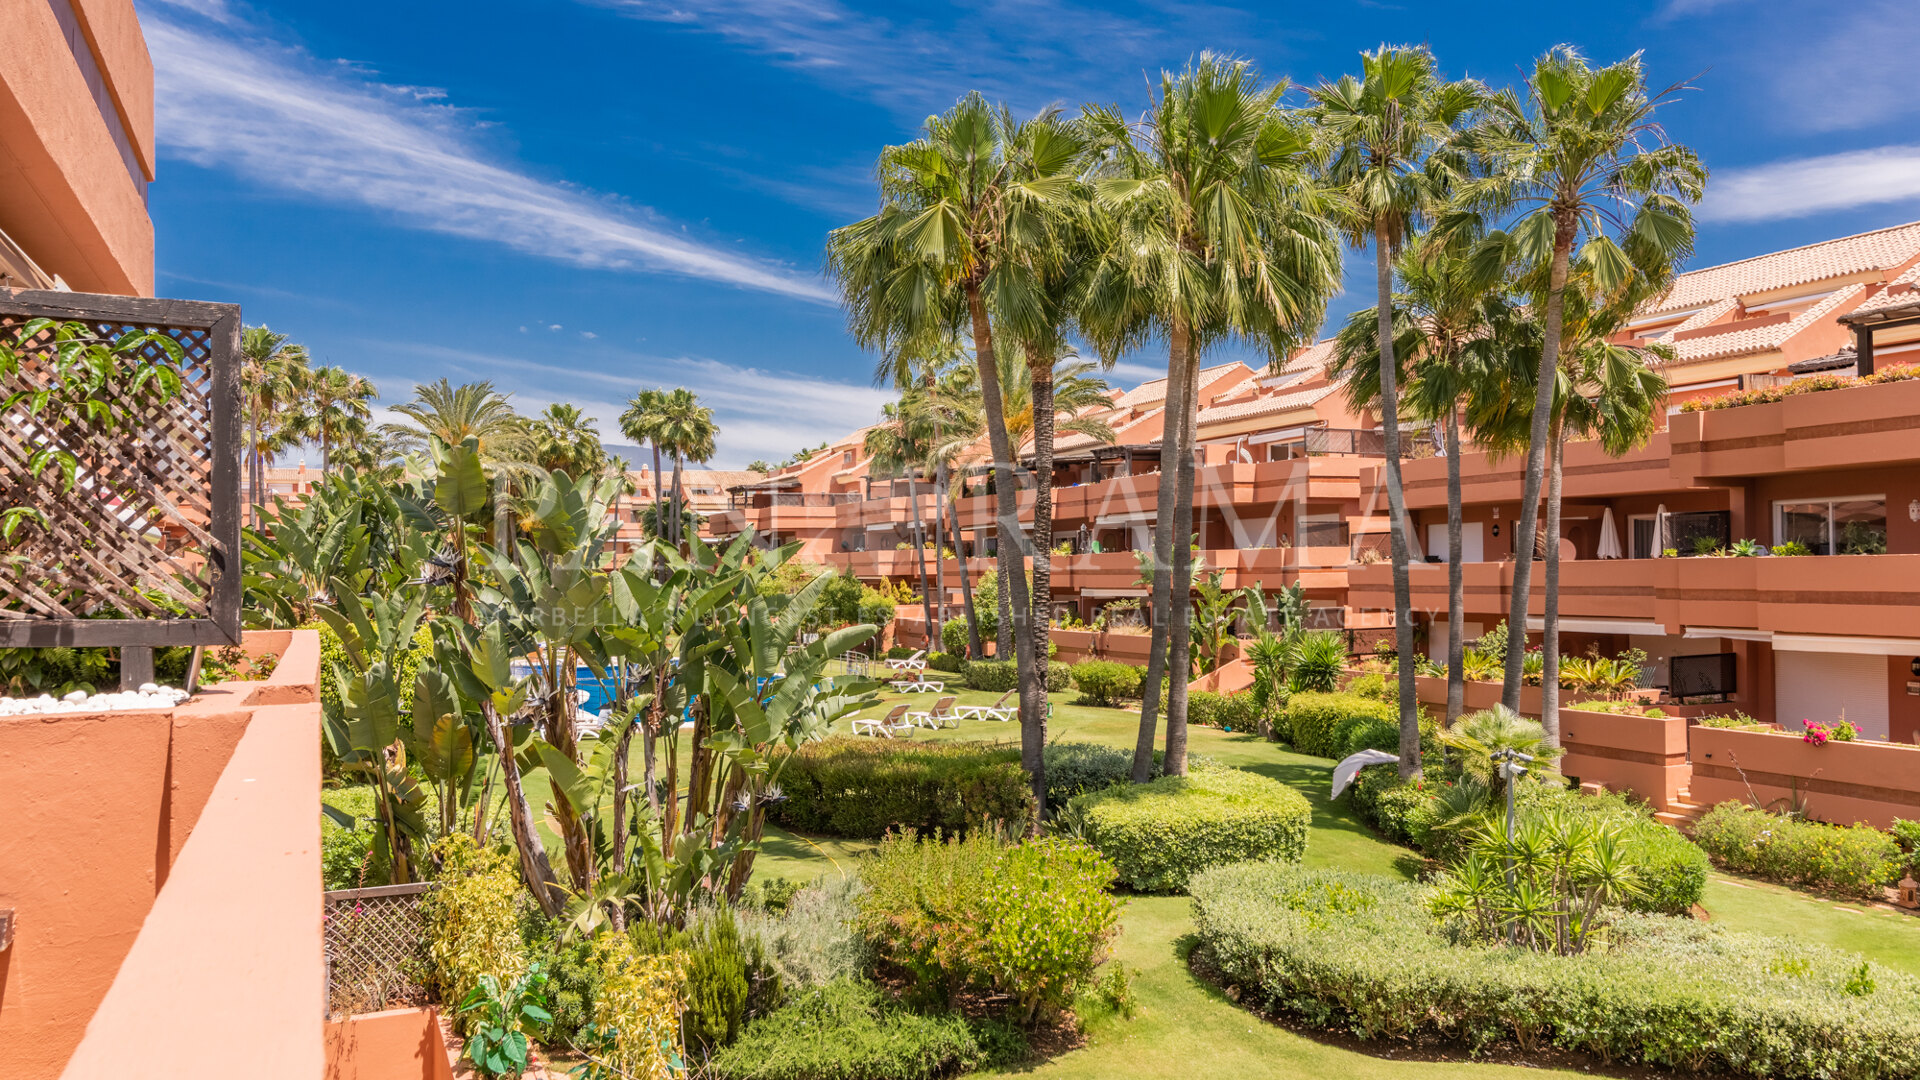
x,y
1841,67
1680,9
229,98
762,412
1027,52
1805,186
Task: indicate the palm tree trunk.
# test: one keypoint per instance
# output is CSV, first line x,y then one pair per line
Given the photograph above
x,y
1550,621
1456,579
659,498
1529,523
1042,377
920,558
1003,602
1007,526
1396,507
675,504
947,510
1167,496
1180,587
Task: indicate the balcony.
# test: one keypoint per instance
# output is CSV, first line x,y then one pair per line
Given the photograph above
x,y
1827,429
1846,595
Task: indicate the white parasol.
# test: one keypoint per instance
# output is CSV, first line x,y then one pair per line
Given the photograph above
x,y
1609,536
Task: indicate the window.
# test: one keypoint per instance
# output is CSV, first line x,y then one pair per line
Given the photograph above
x,y
1848,526
1322,530
1642,527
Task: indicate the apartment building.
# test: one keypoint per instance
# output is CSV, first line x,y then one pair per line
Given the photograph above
x,y
704,489
1289,487
76,147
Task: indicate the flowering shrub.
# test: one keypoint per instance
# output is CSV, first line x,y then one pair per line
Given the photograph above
x,y
1818,734
1812,384
1856,860
1030,920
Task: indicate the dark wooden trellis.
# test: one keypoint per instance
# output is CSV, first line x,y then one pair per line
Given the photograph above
x,y
156,511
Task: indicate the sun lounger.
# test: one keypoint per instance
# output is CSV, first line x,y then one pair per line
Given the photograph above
x,y
941,715
999,710
892,725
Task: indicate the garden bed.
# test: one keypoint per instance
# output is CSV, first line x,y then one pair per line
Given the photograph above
x,y
1841,782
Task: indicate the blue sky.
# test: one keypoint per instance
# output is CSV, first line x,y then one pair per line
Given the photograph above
x,y
577,198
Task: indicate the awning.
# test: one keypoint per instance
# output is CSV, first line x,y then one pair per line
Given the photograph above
x,y
1599,626
1112,594
1860,646
1137,517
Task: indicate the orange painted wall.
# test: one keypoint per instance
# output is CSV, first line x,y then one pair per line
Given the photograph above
x,y
65,195
156,861
398,1044
83,799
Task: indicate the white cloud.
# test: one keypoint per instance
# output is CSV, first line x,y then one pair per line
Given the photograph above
x,y
1804,186
1840,67
926,56
1680,9
274,115
762,413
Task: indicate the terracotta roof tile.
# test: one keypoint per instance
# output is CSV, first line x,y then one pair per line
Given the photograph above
x,y
1760,338
1887,298
1267,406
1155,392
1881,249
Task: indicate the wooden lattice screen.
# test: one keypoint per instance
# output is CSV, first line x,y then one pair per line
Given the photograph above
x,y
151,528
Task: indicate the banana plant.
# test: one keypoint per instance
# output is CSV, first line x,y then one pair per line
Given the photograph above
x,y
367,735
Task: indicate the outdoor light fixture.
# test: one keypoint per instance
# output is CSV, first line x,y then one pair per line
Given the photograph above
x,y
1913,510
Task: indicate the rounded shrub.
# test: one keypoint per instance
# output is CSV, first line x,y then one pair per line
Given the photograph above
x,y
1313,721
864,787
947,662
1106,683
1160,834
995,676
1203,707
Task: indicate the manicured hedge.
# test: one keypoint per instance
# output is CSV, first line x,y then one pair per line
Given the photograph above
x,y
1236,711
1856,860
1161,833
1361,955
1106,683
1000,676
1313,722
864,787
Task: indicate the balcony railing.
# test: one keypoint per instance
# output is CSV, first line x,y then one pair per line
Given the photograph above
x,y
1414,442
795,498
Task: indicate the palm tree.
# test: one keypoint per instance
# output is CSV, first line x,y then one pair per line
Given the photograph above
x,y
897,446
1583,158
1389,134
338,410
1212,231
687,432
564,439
967,211
1444,317
641,423
1602,390
440,410
273,373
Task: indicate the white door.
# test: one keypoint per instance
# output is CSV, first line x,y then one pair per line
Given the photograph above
x,y
1819,686
1472,545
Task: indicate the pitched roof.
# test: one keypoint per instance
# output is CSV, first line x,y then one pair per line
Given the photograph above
x,y
1270,405
1892,295
1155,392
1137,427
1757,338
1880,249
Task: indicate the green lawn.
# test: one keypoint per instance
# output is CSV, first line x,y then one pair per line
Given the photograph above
x,y
1184,1021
